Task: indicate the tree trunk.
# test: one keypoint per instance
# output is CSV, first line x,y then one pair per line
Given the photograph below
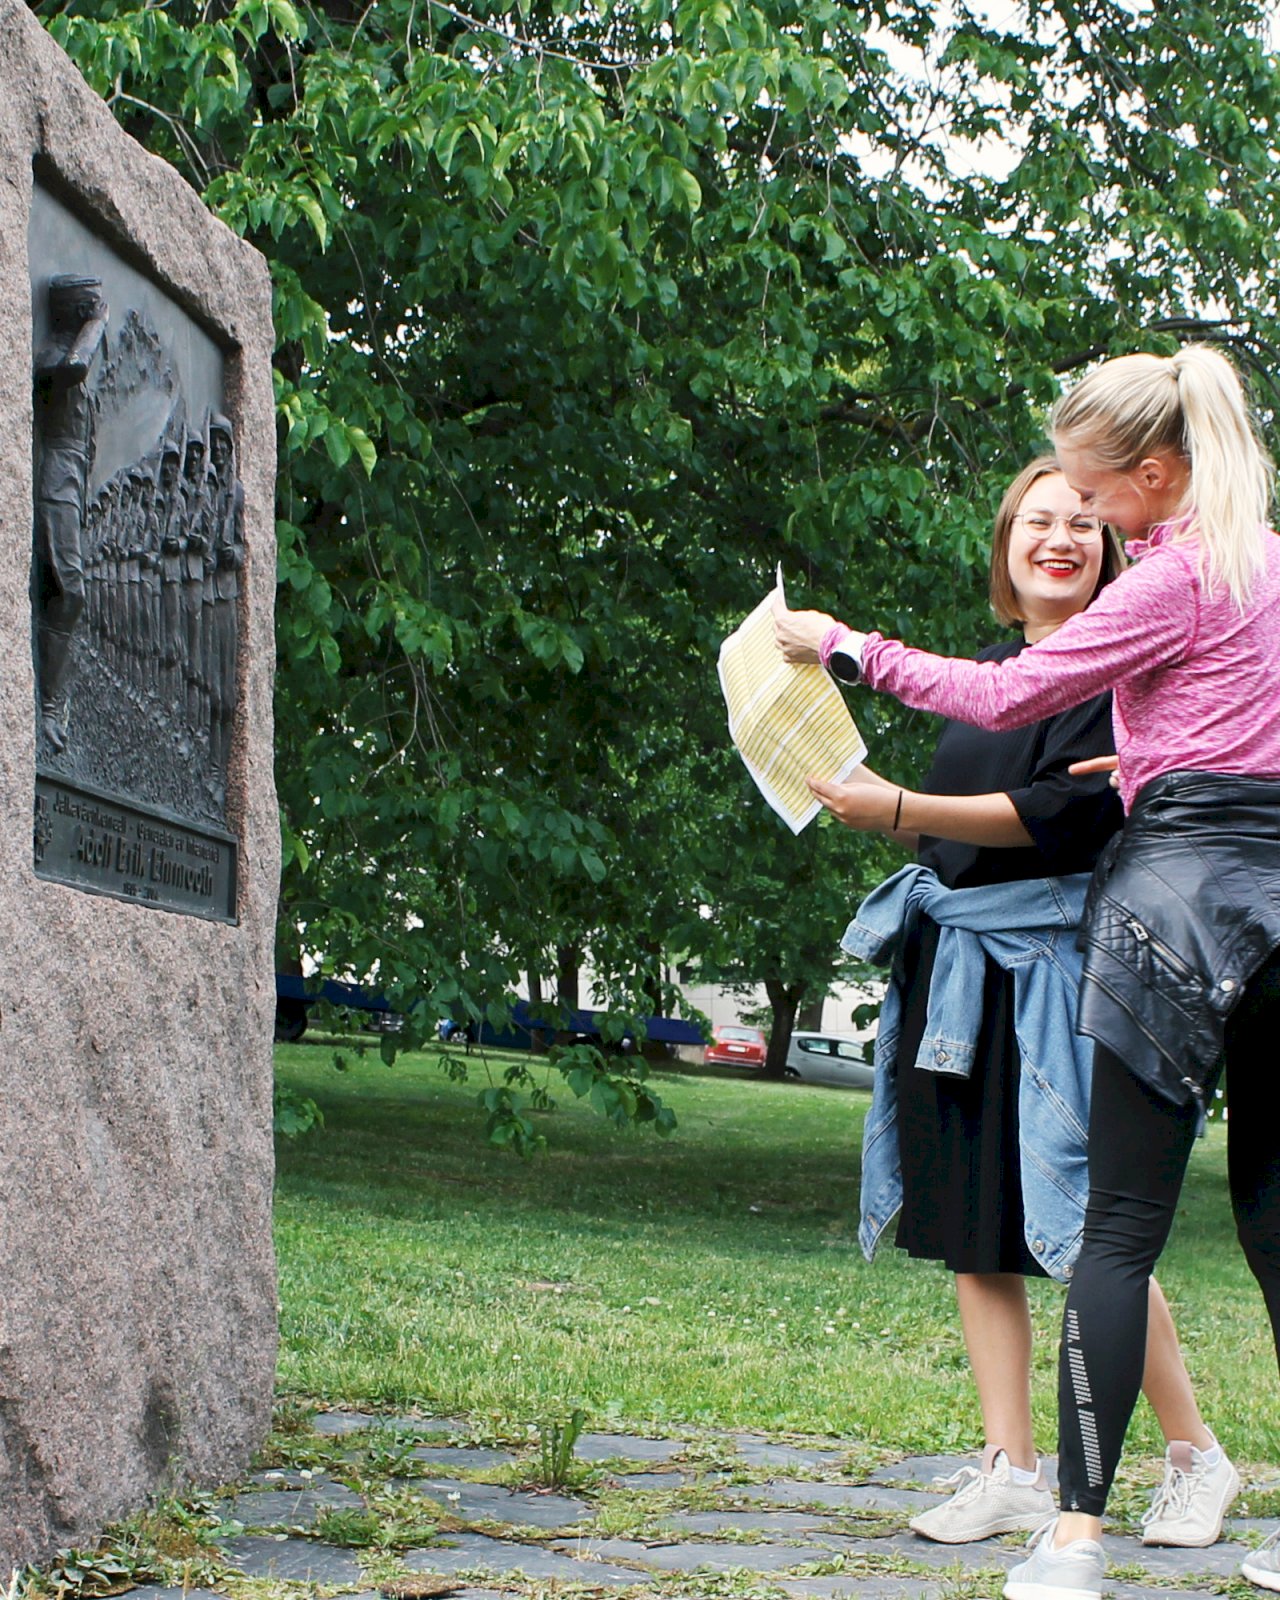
x,y
537,1036
809,1014
568,958
654,988
785,999
652,982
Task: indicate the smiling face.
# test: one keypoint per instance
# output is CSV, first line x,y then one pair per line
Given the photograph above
x,y
1055,555
1132,502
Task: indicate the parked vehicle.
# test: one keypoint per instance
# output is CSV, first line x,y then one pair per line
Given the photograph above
x,y
837,1059
732,1045
296,995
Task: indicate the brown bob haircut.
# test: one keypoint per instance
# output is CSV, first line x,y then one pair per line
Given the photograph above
x,y
1003,600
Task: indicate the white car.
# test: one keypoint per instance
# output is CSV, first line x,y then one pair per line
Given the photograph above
x,y
831,1058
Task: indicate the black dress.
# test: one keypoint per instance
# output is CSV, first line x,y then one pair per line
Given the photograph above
x,y
958,1138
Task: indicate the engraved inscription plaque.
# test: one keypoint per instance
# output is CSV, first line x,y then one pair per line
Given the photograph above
x,y
137,548
108,847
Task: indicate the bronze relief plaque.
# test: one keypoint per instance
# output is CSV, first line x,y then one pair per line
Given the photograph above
x,y
137,549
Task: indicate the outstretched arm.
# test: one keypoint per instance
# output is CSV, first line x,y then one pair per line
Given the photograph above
x,y
1148,617
868,802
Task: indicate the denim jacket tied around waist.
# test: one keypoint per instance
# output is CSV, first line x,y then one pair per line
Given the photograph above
x,y
1028,929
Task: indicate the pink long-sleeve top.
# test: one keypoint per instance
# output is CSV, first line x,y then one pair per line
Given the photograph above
x,y
1196,682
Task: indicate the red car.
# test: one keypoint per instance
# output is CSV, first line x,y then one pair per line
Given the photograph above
x,y
732,1045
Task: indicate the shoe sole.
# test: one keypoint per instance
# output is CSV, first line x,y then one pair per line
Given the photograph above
x,y
1024,1524
1228,1500
1048,1591
1261,1576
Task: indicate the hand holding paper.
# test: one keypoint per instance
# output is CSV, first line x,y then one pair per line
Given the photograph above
x,y
861,805
788,722
797,633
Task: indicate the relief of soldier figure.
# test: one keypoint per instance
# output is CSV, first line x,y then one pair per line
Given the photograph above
x,y
136,575
64,426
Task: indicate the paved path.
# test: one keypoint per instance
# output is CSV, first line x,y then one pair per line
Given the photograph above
x,y
406,1508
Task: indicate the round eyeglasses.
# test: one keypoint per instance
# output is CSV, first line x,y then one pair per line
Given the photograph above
x,y
1040,524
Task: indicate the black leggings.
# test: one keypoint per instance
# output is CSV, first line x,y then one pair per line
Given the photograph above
x,y
1139,1143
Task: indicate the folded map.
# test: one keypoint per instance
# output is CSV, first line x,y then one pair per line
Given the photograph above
x,y
788,723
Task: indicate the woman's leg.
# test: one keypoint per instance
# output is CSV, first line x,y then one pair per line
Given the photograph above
x,y
1008,1493
1253,1135
1253,1169
1166,1381
997,1333
1138,1148
1199,1482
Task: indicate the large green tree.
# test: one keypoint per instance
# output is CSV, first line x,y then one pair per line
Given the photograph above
x,y
586,315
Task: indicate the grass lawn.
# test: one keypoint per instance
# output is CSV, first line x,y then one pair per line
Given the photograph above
x,y
711,1280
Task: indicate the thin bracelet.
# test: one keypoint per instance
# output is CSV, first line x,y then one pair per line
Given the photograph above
x,y
897,816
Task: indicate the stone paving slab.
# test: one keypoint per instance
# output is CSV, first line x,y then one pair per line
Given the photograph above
x,y
459,1590
465,1458
1219,1560
464,1591
921,1469
334,1424
878,1586
925,1553
496,1503
476,1552
1135,1591
651,1480
300,1560
783,1524
759,1452
156,1591
689,1555
852,1497
299,1508
626,1447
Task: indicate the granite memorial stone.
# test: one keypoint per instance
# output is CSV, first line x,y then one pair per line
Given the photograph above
x,y
139,845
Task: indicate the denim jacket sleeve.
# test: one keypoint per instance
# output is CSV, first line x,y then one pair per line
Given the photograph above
x,y
876,933
881,1197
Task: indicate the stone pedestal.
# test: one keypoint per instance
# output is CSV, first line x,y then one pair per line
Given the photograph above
x,y
138,837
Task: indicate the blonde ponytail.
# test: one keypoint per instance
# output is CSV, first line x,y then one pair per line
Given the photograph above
x,y
1193,403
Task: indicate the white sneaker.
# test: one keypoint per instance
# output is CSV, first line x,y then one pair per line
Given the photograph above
x,y
987,1501
1073,1573
1262,1566
1188,1507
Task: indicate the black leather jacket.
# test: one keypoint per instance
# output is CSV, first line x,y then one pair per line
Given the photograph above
x,y
1183,909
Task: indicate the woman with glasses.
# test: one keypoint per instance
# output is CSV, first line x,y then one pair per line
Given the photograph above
x,y
988,1168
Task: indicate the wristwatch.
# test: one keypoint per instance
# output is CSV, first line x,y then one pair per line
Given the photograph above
x,y
845,661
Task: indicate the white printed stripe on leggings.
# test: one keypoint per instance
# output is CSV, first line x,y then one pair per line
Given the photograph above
x,y
1084,1402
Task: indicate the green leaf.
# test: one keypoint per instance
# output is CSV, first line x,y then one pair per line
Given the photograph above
x,y
338,442
363,446
690,188
311,209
